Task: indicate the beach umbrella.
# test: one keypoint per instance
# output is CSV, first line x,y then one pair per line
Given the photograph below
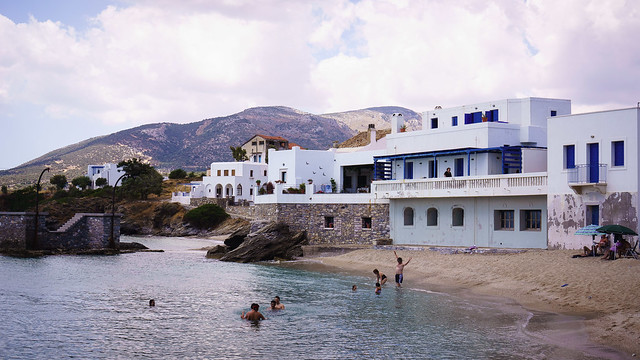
x,y
616,229
589,230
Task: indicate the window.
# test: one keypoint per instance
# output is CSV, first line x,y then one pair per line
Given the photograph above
x,y
433,171
260,158
226,173
553,113
434,123
457,217
219,172
454,121
283,176
348,182
233,172
254,143
408,216
569,156
491,115
504,219
239,190
531,220
473,118
617,152
366,223
250,173
328,222
265,173
432,217
261,142
250,191
458,167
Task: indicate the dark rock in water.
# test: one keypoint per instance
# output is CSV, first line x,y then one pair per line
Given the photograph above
x,y
132,246
237,237
217,251
272,241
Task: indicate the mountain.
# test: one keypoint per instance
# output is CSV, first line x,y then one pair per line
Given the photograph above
x,y
194,146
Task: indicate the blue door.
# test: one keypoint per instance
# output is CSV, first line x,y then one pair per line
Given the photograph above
x,y
594,160
595,214
408,170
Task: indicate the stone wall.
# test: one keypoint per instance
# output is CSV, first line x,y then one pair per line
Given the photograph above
x,y
87,231
347,226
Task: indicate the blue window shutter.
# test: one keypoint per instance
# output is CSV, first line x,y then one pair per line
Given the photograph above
x,y
571,156
618,153
454,121
468,119
494,115
477,117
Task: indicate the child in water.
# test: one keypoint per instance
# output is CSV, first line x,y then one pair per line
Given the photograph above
x,y
378,289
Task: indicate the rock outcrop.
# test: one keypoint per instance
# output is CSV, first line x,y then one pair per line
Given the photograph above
x,y
273,241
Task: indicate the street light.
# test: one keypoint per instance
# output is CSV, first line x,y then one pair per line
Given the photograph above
x,y
35,235
112,242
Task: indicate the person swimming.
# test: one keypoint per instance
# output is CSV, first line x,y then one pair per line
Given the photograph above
x,y
253,314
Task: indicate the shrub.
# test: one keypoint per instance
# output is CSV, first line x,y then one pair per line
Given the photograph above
x,y
206,216
177,174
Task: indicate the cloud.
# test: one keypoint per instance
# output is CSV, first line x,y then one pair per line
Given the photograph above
x,y
154,61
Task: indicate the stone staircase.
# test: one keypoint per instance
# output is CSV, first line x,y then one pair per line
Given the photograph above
x,y
70,223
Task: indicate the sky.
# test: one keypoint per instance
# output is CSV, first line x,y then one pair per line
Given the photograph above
x,y
74,69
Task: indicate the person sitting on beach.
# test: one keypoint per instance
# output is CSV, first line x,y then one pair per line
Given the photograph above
x,y
378,289
603,245
380,277
253,314
279,305
400,269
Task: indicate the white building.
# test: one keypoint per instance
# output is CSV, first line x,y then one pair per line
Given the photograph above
x,y
592,173
236,180
496,197
109,171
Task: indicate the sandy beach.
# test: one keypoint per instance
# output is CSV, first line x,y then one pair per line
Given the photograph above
x,y
604,292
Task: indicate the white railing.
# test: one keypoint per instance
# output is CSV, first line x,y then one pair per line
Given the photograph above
x,y
489,185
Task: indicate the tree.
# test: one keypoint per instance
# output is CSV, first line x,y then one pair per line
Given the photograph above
x,y
60,181
238,153
142,179
82,182
100,182
5,191
177,174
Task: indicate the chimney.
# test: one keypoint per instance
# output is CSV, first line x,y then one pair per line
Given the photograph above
x,y
372,133
397,122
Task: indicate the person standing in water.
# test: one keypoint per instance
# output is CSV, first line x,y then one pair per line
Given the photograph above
x,y
253,314
400,269
380,277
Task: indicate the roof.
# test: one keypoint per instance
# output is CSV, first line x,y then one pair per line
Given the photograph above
x,y
271,137
292,144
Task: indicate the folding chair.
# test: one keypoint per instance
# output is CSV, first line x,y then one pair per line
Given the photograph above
x,y
631,251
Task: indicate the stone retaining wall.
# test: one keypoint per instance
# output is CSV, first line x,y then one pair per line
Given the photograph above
x,y
90,231
348,225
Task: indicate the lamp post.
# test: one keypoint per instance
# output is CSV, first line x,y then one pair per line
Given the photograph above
x,y
35,233
112,242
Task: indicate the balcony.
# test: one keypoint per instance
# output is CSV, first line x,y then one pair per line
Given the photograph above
x,y
588,176
474,186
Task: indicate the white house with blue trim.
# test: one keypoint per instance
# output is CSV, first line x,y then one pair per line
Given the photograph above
x,y
496,194
593,168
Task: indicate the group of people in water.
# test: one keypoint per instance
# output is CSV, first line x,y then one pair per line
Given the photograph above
x,y
255,315
381,278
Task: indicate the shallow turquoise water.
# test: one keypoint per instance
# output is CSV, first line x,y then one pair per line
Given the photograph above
x,y
96,307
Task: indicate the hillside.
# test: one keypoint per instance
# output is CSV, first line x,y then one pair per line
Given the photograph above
x,y
194,146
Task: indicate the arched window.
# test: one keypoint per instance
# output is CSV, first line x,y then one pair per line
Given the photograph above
x,y
239,190
408,216
457,217
432,217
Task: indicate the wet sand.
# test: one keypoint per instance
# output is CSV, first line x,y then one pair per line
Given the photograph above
x,y
603,293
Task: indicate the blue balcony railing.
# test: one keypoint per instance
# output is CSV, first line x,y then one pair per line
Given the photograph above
x,y
587,174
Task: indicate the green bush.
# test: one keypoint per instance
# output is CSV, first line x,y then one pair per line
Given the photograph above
x,y
206,216
177,174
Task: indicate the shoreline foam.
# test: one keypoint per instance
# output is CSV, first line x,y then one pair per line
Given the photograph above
x,y
603,293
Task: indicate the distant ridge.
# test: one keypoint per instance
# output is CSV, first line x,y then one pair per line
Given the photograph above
x,y
194,146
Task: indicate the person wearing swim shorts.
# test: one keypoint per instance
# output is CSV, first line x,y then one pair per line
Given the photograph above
x,y
400,269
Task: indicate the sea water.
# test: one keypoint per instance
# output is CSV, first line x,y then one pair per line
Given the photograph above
x,y
96,307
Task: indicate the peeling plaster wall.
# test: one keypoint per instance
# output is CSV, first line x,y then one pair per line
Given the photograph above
x,y
567,214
